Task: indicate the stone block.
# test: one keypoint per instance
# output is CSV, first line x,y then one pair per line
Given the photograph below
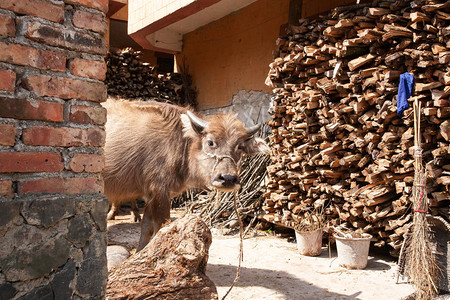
x,y
62,280
80,230
9,210
36,261
99,211
7,291
92,277
41,293
116,254
48,211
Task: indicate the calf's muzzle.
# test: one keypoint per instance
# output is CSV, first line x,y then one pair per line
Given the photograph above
x,y
226,182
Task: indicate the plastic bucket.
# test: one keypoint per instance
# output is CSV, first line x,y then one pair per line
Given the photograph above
x,y
309,243
353,253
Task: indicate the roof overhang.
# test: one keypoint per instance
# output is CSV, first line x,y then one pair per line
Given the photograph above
x,y
114,6
165,32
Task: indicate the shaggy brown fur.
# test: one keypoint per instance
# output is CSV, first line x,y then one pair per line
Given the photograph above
x,y
156,151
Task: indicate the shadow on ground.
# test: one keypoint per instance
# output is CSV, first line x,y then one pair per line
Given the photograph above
x,y
377,264
124,231
283,283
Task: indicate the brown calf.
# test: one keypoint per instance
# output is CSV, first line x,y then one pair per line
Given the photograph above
x,y
157,151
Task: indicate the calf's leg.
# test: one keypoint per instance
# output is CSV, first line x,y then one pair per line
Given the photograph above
x,y
113,211
156,213
135,211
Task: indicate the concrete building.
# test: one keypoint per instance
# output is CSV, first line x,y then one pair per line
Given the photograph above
x,y
226,45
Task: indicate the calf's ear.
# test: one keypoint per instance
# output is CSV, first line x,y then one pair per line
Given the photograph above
x,y
256,145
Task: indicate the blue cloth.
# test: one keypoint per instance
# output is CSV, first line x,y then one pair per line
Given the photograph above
x,y
404,92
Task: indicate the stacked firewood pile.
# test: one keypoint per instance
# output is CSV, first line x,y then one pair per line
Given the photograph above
x,y
128,77
336,137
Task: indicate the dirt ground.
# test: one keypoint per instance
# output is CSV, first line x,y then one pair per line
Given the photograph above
x,y
273,268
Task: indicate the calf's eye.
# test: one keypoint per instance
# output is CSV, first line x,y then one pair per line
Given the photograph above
x,y
210,143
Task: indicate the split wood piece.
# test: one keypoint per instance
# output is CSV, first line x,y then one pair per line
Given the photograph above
x,y
360,61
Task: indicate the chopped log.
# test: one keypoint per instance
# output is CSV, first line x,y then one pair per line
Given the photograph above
x,y
171,266
445,130
358,62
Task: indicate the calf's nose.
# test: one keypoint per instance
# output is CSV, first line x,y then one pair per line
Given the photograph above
x,y
228,180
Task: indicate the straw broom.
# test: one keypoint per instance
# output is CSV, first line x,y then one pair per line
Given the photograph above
x,y
421,266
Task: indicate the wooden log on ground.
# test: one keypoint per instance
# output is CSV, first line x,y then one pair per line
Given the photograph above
x,y
171,266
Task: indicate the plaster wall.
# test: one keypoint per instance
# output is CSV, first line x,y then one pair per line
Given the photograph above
x,y
234,52
314,7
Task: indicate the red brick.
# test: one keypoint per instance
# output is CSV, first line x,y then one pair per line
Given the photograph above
x,y
30,110
7,25
94,69
7,135
23,162
63,136
28,56
7,80
65,88
97,4
91,163
63,37
87,20
58,185
39,8
87,114
6,188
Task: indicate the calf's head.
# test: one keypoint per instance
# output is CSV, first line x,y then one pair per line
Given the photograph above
x,y
219,144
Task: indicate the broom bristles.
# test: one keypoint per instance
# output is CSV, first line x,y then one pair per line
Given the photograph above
x,y
422,267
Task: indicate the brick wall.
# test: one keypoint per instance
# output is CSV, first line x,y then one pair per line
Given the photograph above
x,y
52,210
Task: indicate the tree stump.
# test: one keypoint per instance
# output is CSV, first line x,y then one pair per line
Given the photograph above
x,y
171,266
